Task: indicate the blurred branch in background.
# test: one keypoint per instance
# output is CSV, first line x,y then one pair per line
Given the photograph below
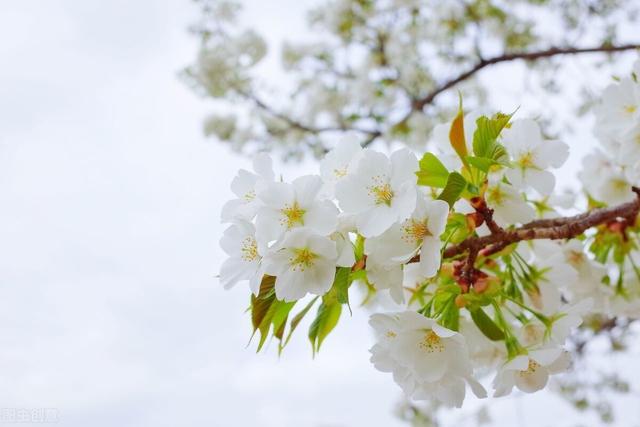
x,y
387,70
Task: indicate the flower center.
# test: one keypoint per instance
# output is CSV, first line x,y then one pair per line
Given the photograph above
x,y
249,249
431,342
390,334
532,368
495,195
339,173
381,191
575,258
630,109
293,215
414,231
302,259
249,195
526,161
533,334
620,184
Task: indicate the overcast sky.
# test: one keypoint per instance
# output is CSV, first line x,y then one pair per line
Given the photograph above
x,y
110,311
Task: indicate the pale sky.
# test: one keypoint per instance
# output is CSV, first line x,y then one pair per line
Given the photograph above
x,y
110,196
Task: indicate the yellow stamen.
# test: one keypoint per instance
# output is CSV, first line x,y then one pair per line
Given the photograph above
x,y
249,196
381,191
249,249
391,334
293,215
415,231
532,368
302,259
526,161
431,342
495,195
630,109
339,173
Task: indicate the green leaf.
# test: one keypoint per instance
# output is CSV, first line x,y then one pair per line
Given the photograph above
x,y
451,315
432,172
487,132
280,316
341,283
454,188
269,314
260,304
326,319
457,228
486,325
482,163
276,316
359,248
295,322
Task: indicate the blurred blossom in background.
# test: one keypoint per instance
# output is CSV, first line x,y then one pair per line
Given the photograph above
x,y
110,195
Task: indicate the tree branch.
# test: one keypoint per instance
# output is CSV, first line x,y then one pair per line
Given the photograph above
x,y
527,56
560,228
421,103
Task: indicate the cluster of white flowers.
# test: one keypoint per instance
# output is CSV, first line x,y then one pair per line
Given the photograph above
x,y
609,172
386,220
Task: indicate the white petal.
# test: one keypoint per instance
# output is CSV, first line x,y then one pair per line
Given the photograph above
x,y
376,221
263,166
553,153
430,256
322,217
404,165
540,180
438,214
234,269
306,189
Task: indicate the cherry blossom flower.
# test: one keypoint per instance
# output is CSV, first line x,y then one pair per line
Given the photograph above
x,y
418,233
340,161
245,256
620,107
508,203
530,372
381,191
288,206
303,263
426,359
245,186
532,155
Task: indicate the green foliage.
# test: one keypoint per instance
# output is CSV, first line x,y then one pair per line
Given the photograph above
x,y
486,325
268,314
486,148
432,172
457,228
296,321
326,319
455,186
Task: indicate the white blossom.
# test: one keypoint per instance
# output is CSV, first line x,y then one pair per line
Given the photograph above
x,y
288,206
303,263
245,186
245,256
531,372
426,359
532,155
418,233
381,191
507,202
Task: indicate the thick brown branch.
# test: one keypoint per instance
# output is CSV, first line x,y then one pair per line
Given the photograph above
x,y
560,228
